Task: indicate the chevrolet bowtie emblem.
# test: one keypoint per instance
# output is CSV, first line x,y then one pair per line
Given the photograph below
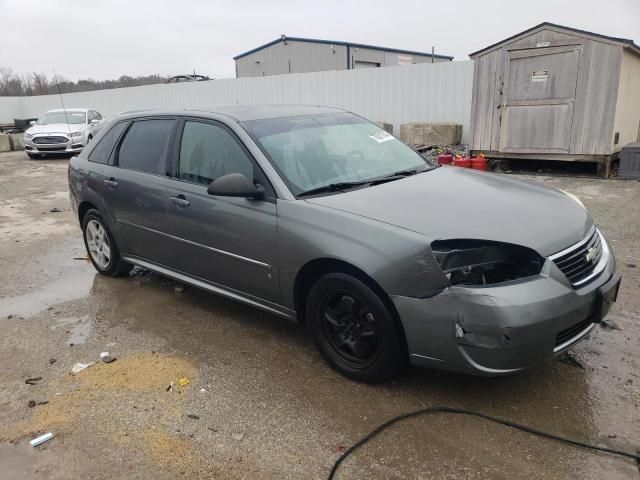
x,y
591,255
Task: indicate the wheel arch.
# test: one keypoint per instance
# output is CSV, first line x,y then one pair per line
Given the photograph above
x,y
83,208
314,269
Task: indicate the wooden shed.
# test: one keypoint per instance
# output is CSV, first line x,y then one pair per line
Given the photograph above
x,y
556,93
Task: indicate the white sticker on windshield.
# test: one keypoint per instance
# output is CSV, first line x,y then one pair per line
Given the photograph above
x,y
382,137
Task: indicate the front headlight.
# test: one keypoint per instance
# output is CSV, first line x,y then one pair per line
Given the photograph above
x,y
480,262
28,136
76,134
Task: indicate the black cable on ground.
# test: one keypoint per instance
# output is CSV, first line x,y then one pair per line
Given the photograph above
x,y
464,411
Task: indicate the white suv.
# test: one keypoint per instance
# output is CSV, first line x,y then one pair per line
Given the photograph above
x,y
62,131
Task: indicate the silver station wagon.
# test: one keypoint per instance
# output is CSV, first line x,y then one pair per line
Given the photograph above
x,y
318,215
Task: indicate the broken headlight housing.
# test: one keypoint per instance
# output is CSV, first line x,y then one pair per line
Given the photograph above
x,y
480,262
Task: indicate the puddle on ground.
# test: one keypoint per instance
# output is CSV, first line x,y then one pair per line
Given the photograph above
x,y
79,328
64,290
56,277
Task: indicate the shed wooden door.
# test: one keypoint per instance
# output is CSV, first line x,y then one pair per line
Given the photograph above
x,y
538,99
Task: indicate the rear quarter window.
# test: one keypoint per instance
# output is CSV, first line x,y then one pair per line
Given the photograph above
x,y
102,151
145,145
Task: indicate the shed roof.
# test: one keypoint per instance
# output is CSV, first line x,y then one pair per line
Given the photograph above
x,y
337,42
626,43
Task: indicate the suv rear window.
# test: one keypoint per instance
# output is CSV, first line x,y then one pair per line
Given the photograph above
x,y
144,147
102,152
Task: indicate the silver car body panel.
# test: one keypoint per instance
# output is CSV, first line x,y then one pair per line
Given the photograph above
x,y
385,231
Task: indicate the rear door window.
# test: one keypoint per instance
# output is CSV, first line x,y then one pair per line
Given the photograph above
x,y
145,146
210,151
103,149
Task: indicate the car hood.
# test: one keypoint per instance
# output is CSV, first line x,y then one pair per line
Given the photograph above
x,y
54,128
452,202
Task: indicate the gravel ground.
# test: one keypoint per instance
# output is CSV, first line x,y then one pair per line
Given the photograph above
x,y
260,403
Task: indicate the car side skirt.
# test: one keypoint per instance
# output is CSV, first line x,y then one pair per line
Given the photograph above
x,y
214,288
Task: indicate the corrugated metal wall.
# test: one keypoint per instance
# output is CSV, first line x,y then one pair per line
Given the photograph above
x,y
10,108
388,58
438,92
305,57
295,57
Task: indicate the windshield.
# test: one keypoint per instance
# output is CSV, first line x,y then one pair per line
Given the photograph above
x,y
73,118
319,150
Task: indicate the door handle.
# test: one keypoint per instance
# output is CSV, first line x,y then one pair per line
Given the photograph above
x,y
180,201
110,182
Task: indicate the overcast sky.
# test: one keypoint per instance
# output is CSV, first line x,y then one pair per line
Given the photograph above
x,y
104,39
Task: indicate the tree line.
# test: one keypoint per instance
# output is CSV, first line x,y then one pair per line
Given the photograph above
x,y
14,84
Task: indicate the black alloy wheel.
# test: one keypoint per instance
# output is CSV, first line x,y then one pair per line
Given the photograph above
x,y
354,328
350,329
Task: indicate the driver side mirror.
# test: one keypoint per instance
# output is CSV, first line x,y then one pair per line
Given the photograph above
x,y
235,185
93,121
32,123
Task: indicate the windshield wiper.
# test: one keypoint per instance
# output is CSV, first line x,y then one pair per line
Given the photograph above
x,y
410,171
334,187
400,174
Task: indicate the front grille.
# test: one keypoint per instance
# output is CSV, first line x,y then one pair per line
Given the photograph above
x,y
52,148
580,262
568,333
50,140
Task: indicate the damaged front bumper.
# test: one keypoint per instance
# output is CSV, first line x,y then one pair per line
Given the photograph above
x,y
502,329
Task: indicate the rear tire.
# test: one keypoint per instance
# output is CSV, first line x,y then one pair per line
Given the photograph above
x,y
354,330
101,246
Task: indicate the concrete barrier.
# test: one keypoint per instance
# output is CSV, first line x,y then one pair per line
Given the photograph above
x,y
418,133
5,145
385,126
17,141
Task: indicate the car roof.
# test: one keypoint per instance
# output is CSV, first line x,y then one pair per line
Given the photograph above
x,y
243,113
55,110
259,112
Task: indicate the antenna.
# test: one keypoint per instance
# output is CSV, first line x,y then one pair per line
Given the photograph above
x,y
66,117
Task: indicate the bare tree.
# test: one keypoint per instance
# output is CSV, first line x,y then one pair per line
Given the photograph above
x,y
6,75
27,84
40,83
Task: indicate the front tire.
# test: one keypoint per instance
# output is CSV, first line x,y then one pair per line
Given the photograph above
x,y
33,156
101,246
354,330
